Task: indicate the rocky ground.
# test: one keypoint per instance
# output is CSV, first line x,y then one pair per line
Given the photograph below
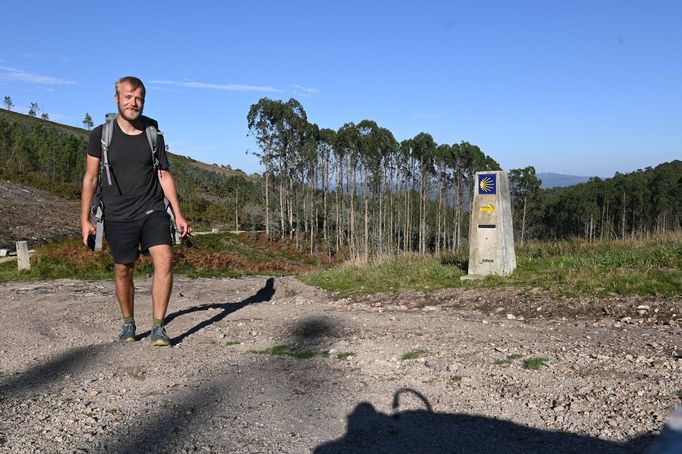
x,y
337,382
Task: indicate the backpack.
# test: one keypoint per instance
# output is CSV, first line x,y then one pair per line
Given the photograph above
x,y
97,209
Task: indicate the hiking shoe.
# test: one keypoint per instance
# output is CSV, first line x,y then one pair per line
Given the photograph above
x,y
127,333
159,336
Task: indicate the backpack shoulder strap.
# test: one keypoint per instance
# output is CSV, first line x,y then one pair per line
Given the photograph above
x,y
107,133
152,131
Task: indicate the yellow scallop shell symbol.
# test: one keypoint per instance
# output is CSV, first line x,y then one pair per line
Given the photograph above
x,y
486,184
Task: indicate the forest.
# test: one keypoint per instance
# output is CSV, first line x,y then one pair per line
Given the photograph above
x,y
356,192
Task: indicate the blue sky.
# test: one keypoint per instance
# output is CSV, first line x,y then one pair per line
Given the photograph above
x,y
576,87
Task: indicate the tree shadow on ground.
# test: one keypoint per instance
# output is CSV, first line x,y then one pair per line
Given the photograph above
x,y
426,431
314,330
264,294
51,370
191,411
81,358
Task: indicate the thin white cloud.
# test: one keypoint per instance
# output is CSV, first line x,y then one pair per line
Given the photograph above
x,y
19,75
223,87
305,91
163,89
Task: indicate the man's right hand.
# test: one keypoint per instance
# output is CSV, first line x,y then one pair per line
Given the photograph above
x,y
86,229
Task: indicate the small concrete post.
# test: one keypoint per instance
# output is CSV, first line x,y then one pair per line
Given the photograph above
x,y
491,235
23,259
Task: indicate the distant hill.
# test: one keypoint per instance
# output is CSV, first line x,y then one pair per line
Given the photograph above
x,y
49,156
558,180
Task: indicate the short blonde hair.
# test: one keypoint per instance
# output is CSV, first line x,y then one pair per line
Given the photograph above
x,y
134,82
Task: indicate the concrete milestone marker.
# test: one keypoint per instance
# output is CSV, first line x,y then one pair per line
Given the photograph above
x,y
491,236
23,258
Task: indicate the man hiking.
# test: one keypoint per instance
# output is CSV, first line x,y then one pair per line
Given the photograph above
x,y
132,199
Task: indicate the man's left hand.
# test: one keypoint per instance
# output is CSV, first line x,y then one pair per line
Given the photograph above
x,y
183,226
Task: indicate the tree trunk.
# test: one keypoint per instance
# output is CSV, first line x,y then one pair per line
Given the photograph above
x,y
267,206
523,220
282,214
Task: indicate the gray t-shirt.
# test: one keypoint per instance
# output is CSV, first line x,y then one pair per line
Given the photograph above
x,y
135,190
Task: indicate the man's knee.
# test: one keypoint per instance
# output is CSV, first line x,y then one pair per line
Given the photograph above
x,y
124,271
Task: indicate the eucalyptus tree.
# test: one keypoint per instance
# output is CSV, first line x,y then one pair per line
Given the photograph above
x,y
526,199
375,145
442,167
607,201
641,210
424,148
295,132
624,192
388,150
263,119
665,181
408,178
339,158
389,225
458,163
309,164
587,208
369,150
280,130
347,144
325,146
7,101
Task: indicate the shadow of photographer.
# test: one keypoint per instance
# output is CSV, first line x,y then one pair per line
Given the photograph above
x,y
426,431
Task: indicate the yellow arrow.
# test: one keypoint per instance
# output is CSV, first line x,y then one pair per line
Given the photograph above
x,y
488,208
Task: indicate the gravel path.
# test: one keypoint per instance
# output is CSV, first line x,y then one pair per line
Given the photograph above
x,y
607,383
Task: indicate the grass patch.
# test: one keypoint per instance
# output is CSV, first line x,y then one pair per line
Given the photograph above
x,y
423,273
456,378
679,394
534,363
414,354
651,266
231,343
644,267
283,350
346,355
277,350
509,359
212,255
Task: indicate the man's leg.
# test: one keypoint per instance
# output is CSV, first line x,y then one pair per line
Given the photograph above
x,y
162,282
125,290
125,293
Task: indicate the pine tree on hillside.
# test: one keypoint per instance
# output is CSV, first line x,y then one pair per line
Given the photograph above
x,y
87,121
33,111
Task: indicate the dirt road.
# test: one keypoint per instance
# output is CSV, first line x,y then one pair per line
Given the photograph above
x,y
610,371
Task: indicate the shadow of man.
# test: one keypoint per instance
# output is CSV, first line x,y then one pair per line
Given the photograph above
x,y
426,431
264,294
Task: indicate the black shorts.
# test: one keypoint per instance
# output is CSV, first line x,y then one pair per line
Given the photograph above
x,y
128,238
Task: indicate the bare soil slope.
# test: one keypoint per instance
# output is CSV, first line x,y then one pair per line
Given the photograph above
x,y
33,215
